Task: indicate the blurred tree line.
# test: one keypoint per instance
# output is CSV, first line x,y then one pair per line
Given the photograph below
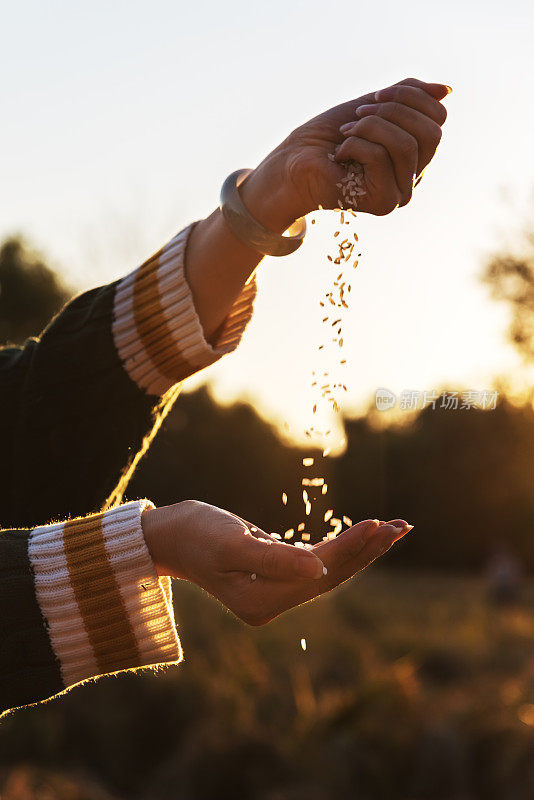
x,y
413,686
510,278
463,477
30,292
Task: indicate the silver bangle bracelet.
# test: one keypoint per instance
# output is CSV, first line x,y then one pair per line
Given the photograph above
x,y
249,230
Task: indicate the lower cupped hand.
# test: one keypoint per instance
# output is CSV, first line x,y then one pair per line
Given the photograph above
x,y
254,574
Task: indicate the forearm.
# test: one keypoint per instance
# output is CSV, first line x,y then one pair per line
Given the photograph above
x,y
81,399
218,263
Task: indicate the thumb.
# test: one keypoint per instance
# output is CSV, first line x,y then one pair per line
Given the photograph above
x,y
280,561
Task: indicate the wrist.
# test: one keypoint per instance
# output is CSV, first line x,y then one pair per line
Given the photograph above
x,y
149,524
164,531
268,196
158,538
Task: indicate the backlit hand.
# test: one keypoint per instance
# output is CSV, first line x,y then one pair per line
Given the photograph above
x,y
392,134
254,574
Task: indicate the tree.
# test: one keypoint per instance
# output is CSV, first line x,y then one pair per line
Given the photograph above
x,y
30,292
511,278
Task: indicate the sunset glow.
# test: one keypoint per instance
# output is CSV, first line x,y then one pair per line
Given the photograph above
x,y
99,197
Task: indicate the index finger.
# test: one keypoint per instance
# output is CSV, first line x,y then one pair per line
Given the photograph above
x,y
352,543
346,545
415,98
350,552
437,90
378,544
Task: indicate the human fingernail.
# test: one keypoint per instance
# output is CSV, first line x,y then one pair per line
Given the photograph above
x,y
325,571
367,109
346,127
309,567
397,530
371,528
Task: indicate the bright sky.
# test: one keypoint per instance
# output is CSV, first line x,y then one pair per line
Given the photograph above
x,y
120,122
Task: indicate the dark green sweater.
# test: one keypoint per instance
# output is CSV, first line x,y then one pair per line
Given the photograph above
x,y
78,408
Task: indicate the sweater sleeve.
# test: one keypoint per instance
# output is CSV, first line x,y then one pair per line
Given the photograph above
x,y
157,332
80,599
81,404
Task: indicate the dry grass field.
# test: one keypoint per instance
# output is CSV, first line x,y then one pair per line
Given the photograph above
x,y
412,687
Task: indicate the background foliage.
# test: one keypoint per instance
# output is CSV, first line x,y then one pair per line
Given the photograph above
x,y
413,685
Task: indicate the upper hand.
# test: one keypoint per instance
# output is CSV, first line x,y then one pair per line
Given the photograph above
x,y
394,137
220,552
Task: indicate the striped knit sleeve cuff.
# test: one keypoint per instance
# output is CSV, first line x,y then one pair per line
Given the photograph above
x,y
156,328
102,602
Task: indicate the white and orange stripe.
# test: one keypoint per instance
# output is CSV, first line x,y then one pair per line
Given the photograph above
x,y
105,608
156,328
